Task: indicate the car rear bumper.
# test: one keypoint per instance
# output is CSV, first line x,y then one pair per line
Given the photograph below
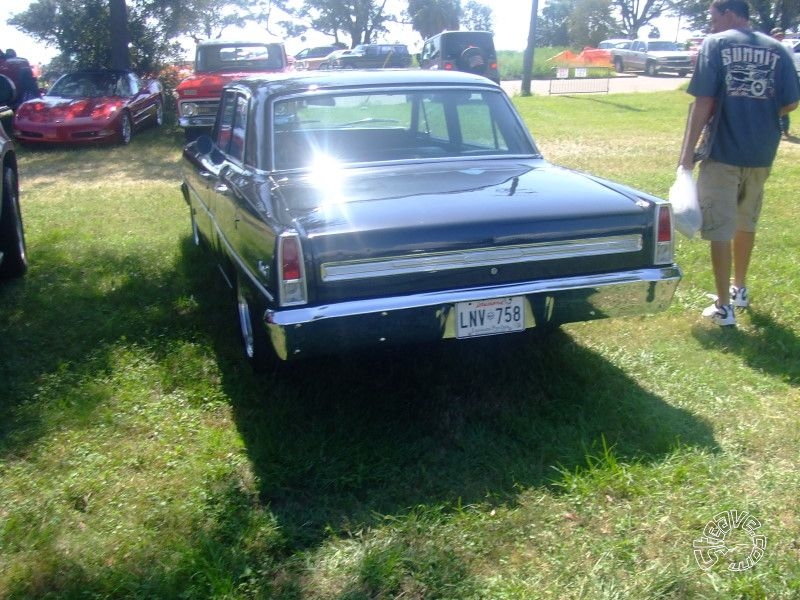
x,y
307,331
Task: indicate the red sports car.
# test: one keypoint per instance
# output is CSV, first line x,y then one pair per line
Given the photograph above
x,y
89,107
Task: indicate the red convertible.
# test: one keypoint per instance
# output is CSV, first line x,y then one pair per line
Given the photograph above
x,y
91,106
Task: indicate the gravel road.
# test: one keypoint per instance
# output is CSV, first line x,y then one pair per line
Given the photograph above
x,y
618,83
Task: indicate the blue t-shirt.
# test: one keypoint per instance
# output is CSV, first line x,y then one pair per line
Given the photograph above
x,y
755,76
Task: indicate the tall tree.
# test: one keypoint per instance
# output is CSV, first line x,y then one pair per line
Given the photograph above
x,y
590,22
120,38
635,14
476,16
362,20
552,28
429,17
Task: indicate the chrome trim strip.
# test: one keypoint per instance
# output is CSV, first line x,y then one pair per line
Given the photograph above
x,y
310,314
479,257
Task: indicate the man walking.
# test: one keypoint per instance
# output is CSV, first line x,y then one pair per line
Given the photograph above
x,y
749,81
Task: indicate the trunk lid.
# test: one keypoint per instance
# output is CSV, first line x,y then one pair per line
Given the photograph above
x,y
390,230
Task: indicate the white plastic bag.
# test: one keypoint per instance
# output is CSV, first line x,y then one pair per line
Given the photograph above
x,y
685,207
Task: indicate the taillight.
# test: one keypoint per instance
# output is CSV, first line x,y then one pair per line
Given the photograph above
x,y
291,271
664,251
448,66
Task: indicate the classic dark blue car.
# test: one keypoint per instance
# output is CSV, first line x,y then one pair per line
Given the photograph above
x,y
353,209
13,257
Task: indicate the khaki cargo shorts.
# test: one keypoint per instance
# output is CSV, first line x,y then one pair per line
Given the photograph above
x,y
730,198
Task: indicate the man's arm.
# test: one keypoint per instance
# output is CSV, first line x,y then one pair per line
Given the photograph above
x,y
699,114
785,110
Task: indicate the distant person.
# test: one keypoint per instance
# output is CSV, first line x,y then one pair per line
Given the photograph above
x,y
751,79
779,34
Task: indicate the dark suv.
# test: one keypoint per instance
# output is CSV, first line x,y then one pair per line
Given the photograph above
x,y
374,56
470,51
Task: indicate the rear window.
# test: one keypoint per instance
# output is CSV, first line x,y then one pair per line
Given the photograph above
x,y
385,126
454,43
260,57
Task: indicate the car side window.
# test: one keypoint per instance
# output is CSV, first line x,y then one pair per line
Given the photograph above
x,y
123,86
236,149
478,127
432,121
134,83
226,120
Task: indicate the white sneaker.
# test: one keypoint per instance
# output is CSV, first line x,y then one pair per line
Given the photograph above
x,y
739,297
720,315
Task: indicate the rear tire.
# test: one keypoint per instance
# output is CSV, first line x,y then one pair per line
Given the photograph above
x,y
12,235
619,66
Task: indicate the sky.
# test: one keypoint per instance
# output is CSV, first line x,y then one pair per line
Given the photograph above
x,y
511,21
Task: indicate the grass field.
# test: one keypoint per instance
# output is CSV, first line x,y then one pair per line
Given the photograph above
x,y
140,458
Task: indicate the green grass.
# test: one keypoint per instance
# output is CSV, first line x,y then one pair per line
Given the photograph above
x,y
140,458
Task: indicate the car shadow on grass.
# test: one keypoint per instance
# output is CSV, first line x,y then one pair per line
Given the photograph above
x,y
337,444
338,441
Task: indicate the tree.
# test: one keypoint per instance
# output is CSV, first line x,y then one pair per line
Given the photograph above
x,y
590,22
764,14
430,17
635,14
476,17
362,20
552,28
118,24
527,56
82,30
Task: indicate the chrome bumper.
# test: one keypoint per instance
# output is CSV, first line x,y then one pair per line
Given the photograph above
x,y
307,331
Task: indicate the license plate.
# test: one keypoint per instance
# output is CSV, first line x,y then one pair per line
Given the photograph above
x,y
490,317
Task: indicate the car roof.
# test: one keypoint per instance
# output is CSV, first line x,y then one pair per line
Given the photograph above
x,y
238,43
303,81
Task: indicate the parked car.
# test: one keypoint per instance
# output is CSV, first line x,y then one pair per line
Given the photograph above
x,y
91,106
13,256
468,51
217,63
793,45
374,208
309,59
614,42
331,60
653,57
372,56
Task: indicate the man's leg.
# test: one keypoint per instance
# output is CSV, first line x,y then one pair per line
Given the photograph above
x,y
721,263
743,245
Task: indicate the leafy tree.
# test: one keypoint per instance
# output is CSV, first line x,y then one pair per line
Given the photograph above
x,y
476,17
635,14
764,14
362,20
430,17
590,22
552,28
